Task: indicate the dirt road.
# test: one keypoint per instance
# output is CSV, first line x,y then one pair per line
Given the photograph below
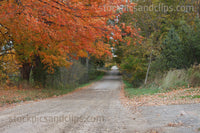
x,y
97,109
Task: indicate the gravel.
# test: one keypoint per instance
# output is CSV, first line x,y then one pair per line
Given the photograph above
x,y
98,109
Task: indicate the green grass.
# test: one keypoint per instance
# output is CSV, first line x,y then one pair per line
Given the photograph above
x,y
191,96
99,77
131,92
96,79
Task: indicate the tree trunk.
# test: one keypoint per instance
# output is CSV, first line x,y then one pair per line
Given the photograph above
x,y
145,82
39,73
25,71
87,66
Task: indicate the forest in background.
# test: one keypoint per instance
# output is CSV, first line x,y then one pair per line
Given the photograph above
x,y
42,47
170,48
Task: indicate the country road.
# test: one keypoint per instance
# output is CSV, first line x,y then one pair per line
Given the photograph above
x,y
97,109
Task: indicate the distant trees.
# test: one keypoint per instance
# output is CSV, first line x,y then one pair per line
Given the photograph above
x,y
171,36
180,47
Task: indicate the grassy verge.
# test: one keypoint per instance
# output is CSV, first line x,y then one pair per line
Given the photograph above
x,y
9,95
96,79
131,92
156,96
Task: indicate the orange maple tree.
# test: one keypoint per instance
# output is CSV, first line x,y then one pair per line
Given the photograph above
x,y
55,31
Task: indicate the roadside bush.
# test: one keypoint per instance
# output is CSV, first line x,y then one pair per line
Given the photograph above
x,y
194,75
174,79
134,70
134,64
67,78
72,77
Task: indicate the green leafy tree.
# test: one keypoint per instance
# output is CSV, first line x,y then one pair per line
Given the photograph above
x,y
196,42
172,51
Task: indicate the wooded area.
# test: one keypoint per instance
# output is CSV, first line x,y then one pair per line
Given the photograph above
x,y
100,66
40,37
170,43
62,43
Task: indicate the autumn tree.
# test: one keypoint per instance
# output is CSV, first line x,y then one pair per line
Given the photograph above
x,y
55,32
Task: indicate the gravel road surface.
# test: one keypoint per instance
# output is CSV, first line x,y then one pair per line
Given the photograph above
x,y
98,109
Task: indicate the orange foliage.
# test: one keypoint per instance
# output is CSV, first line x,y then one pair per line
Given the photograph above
x,y
57,30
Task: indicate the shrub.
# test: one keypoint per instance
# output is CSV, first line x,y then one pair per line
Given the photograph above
x,y
194,75
175,78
